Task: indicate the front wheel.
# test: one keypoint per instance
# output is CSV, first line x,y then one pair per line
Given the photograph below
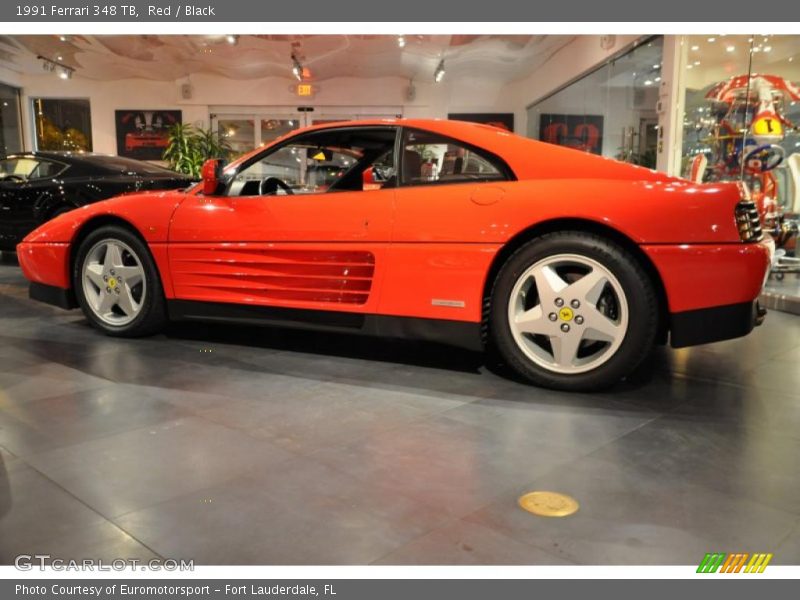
x,y
117,284
573,311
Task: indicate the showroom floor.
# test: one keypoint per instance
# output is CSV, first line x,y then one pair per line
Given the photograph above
x,y
255,446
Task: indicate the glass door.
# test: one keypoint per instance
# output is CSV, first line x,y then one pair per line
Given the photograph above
x,y
244,132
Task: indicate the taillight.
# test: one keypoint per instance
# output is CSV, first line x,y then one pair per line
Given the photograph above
x,y
748,222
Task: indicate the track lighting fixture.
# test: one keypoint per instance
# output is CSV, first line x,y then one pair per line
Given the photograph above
x,y
297,68
50,65
438,75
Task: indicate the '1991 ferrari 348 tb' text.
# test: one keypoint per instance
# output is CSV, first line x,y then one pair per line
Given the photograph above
x,y
569,265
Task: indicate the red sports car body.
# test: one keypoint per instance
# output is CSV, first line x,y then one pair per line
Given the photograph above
x,y
473,234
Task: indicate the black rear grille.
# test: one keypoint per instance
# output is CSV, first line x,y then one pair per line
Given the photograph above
x,y
748,221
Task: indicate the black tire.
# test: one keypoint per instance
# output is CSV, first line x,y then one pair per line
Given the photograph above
x,y
153,314
640,294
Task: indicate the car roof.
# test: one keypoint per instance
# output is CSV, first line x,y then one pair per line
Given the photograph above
x,y
87,163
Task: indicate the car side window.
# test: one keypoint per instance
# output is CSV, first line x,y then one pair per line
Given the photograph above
x,y
46,169
27,169
429,158
321,162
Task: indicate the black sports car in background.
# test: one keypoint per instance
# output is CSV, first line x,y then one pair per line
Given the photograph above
x,y
37,186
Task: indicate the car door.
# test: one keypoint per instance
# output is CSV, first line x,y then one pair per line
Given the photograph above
x,y
296,226
449,222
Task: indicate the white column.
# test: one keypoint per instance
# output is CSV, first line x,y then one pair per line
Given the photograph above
x,y
671,105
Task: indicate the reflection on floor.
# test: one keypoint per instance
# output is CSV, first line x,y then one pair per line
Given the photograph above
x,y
782,294
259,446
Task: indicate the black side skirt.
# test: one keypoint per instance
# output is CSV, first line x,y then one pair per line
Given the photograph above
x,y
715,324
50,294
454,333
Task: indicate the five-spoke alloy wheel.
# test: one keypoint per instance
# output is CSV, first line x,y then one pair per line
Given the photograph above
x,y
117,284
574,311
113,282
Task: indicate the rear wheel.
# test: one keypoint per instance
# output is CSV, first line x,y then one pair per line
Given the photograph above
x,y
573,311
117,284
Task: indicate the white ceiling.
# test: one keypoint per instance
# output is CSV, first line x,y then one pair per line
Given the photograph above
x,y
169,57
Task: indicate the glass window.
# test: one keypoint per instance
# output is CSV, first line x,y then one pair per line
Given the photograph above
x,y
10,132
26,168
610,111
63,124
239,133
430,158
272,129
335,160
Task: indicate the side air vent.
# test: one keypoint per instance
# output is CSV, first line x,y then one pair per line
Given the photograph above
x,y
748,222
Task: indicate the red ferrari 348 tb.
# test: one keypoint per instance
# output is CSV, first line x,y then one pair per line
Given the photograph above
x,y
571,266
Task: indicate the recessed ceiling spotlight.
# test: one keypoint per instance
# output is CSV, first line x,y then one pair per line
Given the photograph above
x,y
697,63
688,66
767,48
658,79
656,66
712,39
730,48
695,48
401,41
232,39
648,82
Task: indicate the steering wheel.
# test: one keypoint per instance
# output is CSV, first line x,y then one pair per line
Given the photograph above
x,y
13,178
770,155
270,185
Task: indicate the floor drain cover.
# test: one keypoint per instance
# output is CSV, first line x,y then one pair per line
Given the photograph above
x,y
549,504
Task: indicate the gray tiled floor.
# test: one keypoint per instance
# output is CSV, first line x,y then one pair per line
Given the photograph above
x,y
258,446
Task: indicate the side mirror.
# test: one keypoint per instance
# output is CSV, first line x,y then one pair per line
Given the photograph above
x,y
211,174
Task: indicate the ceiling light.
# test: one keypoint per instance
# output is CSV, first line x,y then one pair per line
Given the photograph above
x,y
767,48
232,39
697,63
401,41
712,39
688,66
658,79
63,74
648,82
695,48
438,75
656,66
730,48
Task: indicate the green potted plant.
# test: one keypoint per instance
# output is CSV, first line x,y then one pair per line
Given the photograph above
x,y
189,147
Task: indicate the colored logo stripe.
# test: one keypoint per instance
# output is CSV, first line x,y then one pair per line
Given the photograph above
x,y
711,562
758,563
733,563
